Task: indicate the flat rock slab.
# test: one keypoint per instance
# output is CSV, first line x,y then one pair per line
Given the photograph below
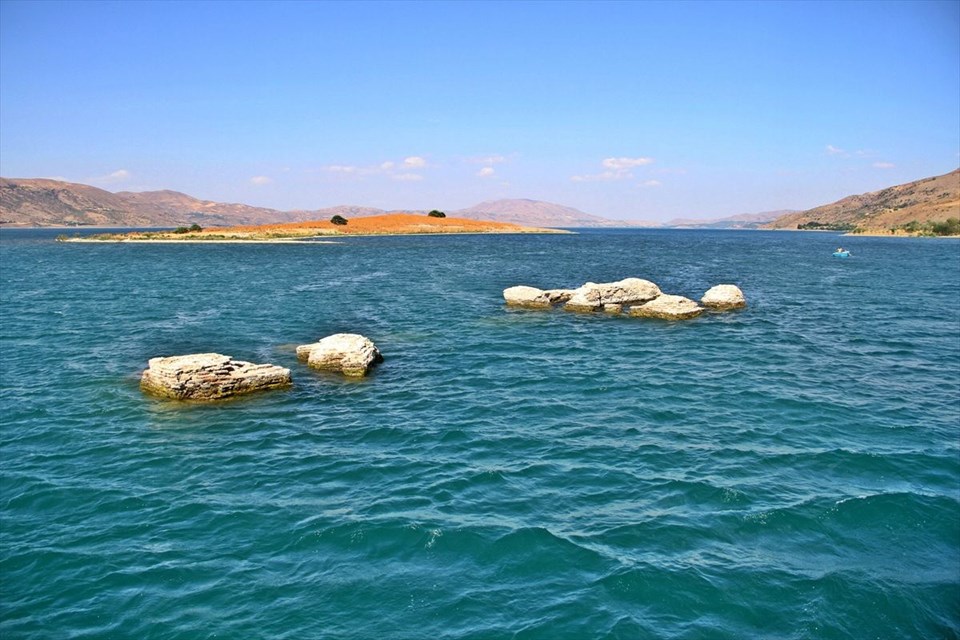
x,y
209,376
594,296
348,353
524,296
723,297
668,307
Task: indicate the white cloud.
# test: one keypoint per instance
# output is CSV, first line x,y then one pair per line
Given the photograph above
x,y
652,183
835,151
120,175
884,165
624,164
487,159
486,172
616,169
260,181
598,177
396,170
342,168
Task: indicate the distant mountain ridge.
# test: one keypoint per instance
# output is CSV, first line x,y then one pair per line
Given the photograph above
x,y
933,199
738,221
43,202
536,213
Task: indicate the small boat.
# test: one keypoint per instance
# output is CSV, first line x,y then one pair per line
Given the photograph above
x,y
841,254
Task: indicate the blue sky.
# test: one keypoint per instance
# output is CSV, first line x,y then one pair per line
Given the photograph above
x,y
629,110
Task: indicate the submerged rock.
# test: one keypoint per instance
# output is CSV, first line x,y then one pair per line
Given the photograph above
x,y
594,297
348,353
724,296
668,307
209,376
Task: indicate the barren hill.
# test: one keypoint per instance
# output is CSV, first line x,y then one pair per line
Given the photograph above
x,y
40,202
929,200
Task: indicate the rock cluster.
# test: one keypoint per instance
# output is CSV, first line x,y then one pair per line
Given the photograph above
x,y
633,296
213,376
348,353
209,376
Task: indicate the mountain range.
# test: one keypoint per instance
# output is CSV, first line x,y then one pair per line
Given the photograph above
x,y
928,200
44,202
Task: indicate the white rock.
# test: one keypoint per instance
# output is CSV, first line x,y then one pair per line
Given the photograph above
x,y
668,307
348,353
209,376
724,296
593,296
524,296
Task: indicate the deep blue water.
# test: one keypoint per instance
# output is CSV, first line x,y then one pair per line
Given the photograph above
x,y
788,471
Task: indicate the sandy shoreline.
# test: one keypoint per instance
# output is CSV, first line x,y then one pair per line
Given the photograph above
x,y
199,241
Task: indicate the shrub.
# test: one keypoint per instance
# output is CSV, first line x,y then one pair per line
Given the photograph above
x,y
437,214
195,227
815,225
338,220
949,227
181,230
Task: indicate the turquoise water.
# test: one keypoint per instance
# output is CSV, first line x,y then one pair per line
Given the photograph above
x,y
788,471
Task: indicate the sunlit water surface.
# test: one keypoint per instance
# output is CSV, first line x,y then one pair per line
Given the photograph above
x,y
788,471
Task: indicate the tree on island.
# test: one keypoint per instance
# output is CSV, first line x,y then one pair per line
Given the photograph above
x,y
437,214
338,219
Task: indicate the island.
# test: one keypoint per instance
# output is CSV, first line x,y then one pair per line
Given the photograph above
x,y
387,224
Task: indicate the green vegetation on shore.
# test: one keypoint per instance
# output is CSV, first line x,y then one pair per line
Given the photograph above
x,y
948,227
814,225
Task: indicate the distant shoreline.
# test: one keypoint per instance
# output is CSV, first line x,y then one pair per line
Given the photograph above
x,y
199,241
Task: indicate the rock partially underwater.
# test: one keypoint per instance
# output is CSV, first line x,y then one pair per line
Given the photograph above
x,y
668,307
523,296
594,296
348,353
209,376
723,297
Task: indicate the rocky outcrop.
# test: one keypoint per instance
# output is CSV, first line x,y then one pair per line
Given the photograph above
x,y
209,376
523,296
668,307
632,296
723,297
594,297
348,353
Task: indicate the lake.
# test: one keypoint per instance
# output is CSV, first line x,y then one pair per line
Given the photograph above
x,y
791,470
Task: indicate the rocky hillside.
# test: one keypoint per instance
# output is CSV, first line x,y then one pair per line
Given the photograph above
x,y
38,202
924,201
